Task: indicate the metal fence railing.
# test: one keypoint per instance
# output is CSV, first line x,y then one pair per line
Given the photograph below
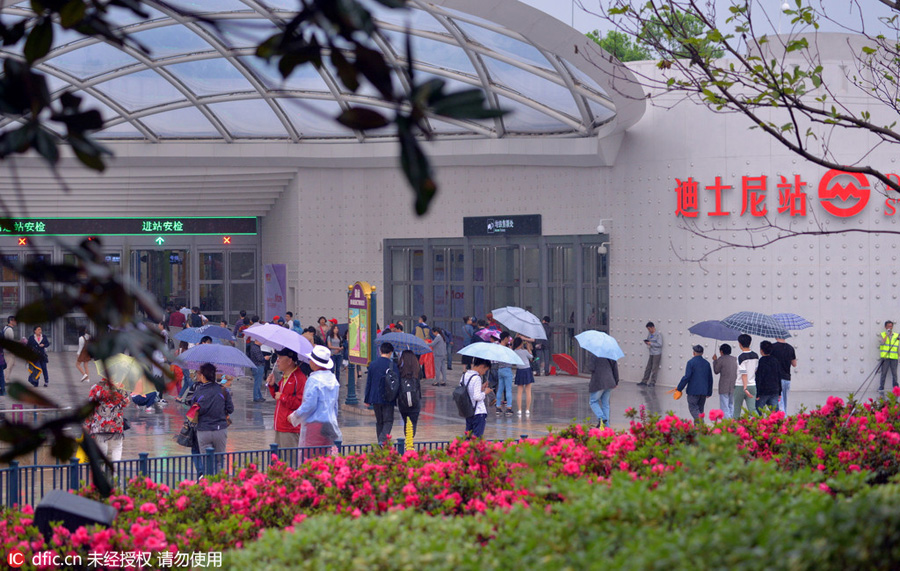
x,y
27,484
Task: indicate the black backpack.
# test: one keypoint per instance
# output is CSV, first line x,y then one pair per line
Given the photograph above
x,y
390,387
196,320
464,404
410,395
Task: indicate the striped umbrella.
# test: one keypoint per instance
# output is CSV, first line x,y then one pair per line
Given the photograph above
x,y
755,323
791,321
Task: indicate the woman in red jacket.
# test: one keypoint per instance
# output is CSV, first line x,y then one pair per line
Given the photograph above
x,y
288,397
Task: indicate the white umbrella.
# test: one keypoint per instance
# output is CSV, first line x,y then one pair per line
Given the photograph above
x,y
521,321
492,352
279,337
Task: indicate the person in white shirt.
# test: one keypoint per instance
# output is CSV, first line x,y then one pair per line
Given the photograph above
x,y
745,386
474,381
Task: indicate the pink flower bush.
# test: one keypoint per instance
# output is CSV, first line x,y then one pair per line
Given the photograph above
x,y
466,478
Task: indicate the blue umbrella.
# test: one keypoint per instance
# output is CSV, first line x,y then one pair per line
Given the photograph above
x,y
404,342
195,334
492,352
600,344
791,321
755,323
227,359
713,329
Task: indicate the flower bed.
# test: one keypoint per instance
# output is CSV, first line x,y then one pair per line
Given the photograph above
x,y
839,453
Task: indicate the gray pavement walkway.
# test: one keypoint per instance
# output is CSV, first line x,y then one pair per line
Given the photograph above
x,y
558,401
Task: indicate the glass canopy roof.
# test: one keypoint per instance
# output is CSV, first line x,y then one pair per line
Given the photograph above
x,y
203,82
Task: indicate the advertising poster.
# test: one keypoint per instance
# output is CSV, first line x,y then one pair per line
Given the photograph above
x,y
360,315
275,286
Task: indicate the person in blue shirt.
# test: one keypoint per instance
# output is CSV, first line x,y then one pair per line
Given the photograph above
x,y
318,413
384,411
698,379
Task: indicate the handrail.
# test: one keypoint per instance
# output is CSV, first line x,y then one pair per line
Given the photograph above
x,y
21,485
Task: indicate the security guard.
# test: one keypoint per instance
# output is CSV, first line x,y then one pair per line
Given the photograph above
x,y
890,342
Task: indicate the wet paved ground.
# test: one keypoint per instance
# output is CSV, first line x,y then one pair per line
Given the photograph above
x,y
557,402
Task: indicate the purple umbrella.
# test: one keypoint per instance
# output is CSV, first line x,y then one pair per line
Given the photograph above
x,y
713,329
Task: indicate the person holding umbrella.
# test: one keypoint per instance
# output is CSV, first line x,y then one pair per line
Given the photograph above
x,y
604,378
288,397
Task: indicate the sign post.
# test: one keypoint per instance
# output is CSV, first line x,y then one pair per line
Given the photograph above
x,y
361,309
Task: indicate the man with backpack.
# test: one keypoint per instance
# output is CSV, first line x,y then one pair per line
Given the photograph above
x,y
382,379
473,381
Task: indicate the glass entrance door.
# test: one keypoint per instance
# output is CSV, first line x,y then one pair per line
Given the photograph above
x,y
163,273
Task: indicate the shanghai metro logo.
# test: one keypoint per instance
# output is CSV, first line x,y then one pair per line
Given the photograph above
x,y
844,194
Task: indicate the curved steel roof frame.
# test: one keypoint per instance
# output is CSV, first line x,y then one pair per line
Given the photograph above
x,y
555,42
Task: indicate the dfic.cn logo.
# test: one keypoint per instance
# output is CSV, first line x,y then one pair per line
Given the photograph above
x,y
15,558
844,194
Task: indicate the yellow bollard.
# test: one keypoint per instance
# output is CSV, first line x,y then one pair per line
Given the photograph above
x,y
410,445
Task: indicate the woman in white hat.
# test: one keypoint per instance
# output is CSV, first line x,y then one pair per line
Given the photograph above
x,y
318,413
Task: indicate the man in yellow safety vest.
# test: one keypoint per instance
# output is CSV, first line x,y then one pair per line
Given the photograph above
x,y
890,342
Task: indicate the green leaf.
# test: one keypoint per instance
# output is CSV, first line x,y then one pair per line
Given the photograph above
x,y
373,66
45,145
392,3
362,119
72,13
417,169
39,41
26,394
89,152
466,104
347,73
18,349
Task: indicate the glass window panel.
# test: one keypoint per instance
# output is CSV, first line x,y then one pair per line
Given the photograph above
x,y
478,302
241,33
457,302
37,258
124,17
531,265
568,254
70,329
212,266
457,15
249,118
415,19
91,102
140,89
290,5
600,112
457,265
532,86
168,41
186,122
211,76
303,78
583,78
198,6
315,117
531,300
243,296
439,265
399,264
63,37
506,295
506,45
32,293
506,265
92,60
124,130
439,126
479,257
212,299
9,300
441,301
7,273
400,296
525,119
243,265
439,54
418,264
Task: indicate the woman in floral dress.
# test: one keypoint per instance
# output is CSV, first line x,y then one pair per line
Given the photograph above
x,y
105,425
